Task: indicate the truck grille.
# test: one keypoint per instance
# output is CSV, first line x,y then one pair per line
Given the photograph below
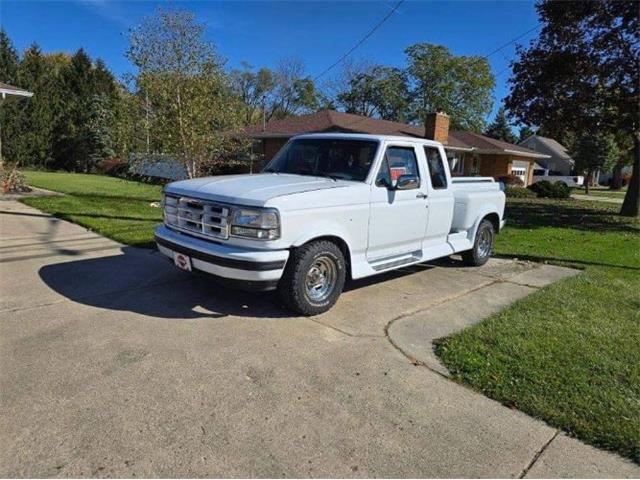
x,y
192,215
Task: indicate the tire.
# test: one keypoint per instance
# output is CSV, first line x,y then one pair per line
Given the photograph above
x,y
482,245
313,278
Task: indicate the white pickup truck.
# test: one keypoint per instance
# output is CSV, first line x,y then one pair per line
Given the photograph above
x,y
572,181
326,208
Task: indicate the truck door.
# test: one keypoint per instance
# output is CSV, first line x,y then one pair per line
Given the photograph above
x,y
398,218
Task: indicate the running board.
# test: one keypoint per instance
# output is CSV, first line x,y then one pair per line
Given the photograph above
x,y
397,261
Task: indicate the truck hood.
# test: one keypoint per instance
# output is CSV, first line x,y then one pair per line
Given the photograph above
x,y
254,190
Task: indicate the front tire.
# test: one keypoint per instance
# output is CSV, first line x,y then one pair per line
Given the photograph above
x,y
482,246
313,278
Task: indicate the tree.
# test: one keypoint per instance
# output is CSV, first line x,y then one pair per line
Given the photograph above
x,y
35,120
524,133
100,129
582,74
459,85
293,93
593,153
192,103
381,92
85,87
8,59
500,128
252,88
9,64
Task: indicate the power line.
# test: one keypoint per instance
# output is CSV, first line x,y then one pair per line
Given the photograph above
x,y
513,40
361,41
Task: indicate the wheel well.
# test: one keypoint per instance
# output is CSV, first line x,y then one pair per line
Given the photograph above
x,y
495,221
342,245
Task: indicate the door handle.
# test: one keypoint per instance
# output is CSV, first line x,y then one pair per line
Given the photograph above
x,y
421,195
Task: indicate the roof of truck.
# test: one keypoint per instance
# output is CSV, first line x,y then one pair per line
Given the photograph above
x,y
369,136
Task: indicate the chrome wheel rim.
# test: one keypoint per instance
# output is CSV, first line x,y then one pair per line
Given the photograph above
x,y
484,243
321,279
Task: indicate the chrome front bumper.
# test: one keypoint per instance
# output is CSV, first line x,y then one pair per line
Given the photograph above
x,y
225,261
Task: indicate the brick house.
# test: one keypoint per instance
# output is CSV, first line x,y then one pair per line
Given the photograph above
x,y
468,153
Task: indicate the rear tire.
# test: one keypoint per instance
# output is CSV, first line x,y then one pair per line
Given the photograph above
x,y
482,246
313,278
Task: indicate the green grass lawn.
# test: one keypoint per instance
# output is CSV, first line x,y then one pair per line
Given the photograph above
x,y
116,208
601,192
570,353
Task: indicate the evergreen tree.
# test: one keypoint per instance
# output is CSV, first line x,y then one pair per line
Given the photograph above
x,y
77,147
8,70
100,128
8,59
524,133
500,128
35,119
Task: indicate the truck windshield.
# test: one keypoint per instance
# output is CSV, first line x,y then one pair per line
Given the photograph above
x,y
325,157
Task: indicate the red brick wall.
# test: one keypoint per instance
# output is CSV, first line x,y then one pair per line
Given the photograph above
x,y
270,147
498,165
437,127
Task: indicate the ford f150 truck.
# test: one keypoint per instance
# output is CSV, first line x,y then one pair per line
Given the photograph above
x,y
326,208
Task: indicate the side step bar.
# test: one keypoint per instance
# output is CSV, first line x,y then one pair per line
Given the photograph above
x,y
396,260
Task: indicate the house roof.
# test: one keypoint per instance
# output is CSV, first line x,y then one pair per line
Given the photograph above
x,y
553,147
8,91
332,121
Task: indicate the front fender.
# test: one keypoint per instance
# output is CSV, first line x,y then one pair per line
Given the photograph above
x,y
328,229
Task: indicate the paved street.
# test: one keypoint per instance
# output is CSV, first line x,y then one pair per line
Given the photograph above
x,y
115,363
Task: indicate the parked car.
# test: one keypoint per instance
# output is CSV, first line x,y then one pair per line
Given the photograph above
x,y
329,207
572,181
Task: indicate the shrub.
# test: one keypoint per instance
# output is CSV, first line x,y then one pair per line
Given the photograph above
x,y
545,189
13,181
518,192
510,180
113,166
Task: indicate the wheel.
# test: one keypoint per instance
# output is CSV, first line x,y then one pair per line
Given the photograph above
x,y
482,246
560,182
313,278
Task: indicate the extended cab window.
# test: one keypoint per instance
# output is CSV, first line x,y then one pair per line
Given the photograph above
x,y
397,161
436,168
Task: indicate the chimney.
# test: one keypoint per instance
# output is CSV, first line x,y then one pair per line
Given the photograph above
x,y
436,127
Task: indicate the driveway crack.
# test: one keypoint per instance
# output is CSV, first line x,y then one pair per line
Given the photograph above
x,y
538,454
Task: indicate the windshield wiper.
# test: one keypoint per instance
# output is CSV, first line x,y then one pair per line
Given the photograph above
x,y
309,173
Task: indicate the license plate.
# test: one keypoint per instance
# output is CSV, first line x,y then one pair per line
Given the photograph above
x,y
182,261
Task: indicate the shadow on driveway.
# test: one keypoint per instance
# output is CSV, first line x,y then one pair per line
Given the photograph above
x,y
144,282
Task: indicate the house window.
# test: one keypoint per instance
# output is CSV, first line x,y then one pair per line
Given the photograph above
x,y
520,172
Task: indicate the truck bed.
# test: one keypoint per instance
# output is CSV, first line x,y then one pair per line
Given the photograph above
x,y
472,196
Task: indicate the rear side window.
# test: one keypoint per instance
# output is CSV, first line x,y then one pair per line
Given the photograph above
x,y
436,168
397,161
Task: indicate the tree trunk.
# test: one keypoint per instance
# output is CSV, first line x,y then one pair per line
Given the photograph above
x,y
631,204
587,182
616,178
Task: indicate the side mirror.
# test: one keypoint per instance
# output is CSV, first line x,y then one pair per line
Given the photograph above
x,y
407,182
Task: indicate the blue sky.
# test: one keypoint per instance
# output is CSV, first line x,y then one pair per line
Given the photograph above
x,y
263,32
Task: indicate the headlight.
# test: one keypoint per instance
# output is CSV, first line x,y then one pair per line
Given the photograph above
x,y
262,224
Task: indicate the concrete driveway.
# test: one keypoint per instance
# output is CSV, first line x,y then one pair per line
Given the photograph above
x,y
114,363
